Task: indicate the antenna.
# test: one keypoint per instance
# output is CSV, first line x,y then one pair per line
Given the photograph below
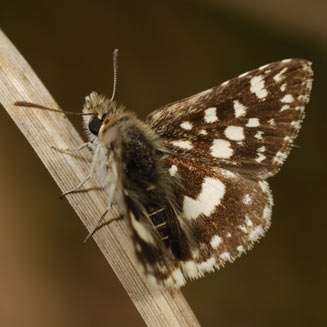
x,y
38,106
115,64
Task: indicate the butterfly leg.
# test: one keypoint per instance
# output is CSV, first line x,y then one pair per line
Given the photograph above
x,y
110,193
86,190
99,225
75,149
94,161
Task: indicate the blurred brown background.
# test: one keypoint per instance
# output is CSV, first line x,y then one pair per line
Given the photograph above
x,y
168,50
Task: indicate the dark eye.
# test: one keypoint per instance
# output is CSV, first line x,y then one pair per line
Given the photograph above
x,y
94,125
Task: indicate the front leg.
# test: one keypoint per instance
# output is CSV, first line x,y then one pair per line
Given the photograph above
x,y
86,190
75,149
94,161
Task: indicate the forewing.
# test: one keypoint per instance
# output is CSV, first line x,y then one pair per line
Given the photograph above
x,y
247,124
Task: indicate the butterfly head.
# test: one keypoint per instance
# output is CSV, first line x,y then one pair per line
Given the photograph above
x,y
100,109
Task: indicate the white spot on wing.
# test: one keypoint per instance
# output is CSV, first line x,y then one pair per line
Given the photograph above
x,y
235,133
280,157
195,253
178,277
264,186
190,269
225,256
256,233
247,199
278,77
267,213
168,282
243,75
208,265
173,170
183,144
221,149
296,124
253,122
210,115
239,108
258,135
309,84
240,249
260,157
162,268
203,132
248,221
288,98
285,107
263,67
270,199
228,173
186,125
304,98
212,192
157,115
257,86
141,231
283,87
215,241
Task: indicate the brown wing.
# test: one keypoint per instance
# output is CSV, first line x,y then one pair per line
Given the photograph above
x,y
222,144
247,124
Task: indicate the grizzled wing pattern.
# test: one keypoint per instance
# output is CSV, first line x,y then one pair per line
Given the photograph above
x,y
224,213
247,124
222,144
227,213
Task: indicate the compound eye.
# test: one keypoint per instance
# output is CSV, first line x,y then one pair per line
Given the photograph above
x,y
94,125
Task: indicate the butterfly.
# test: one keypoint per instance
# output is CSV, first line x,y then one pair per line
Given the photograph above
x,y
190,180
